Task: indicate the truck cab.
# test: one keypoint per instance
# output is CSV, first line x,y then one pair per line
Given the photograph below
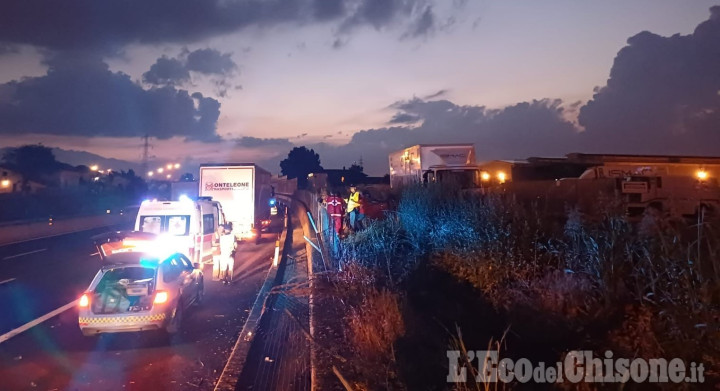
x,y
464,177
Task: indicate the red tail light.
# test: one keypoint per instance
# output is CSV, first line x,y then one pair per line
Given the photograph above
x,y
84,301
161,297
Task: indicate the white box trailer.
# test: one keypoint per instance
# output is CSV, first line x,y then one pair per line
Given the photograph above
x,y
424,163
243,190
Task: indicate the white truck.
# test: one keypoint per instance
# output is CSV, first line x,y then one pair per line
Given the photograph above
x,y
244,191
440,163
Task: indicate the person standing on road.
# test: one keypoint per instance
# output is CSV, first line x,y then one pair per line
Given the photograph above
x,y
353,206
362,210
336,210
227,256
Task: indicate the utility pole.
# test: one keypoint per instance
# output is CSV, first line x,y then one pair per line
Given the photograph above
x,y
145,156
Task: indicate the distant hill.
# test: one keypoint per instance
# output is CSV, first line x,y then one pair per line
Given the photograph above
x,y
76,158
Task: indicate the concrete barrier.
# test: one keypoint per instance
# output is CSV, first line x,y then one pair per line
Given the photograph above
x,y
38,230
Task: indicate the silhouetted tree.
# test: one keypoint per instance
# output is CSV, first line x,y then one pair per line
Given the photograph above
x,y
354,174
299,163
33,162
356,168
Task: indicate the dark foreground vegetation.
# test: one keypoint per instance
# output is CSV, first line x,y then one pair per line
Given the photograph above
x,y
455,271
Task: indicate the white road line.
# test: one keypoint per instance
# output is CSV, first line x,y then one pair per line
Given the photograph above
x,y
8,280
36,322
94,254
27,253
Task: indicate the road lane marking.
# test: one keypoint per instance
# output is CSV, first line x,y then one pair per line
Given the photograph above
x,y
22,254
95,253
8,280
37,321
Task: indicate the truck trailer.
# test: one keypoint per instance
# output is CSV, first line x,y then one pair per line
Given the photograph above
x,y
673,185
244,191
434,163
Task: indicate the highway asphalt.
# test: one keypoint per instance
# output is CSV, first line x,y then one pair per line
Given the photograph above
x,y
45,276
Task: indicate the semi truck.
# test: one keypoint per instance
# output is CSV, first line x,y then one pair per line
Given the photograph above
x,y
434,163
244,191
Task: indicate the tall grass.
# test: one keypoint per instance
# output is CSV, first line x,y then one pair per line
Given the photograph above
x,y
659,277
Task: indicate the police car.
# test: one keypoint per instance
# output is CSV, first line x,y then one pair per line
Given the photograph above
x,y
138,289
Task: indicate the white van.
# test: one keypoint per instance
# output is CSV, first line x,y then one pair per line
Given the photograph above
x,y
190,227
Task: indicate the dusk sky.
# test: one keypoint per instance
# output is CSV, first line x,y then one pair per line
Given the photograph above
x,y
220,81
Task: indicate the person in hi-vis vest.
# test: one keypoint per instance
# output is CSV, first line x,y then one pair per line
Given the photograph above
x,y
353,206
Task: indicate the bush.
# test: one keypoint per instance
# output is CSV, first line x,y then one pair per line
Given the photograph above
x,y
648,288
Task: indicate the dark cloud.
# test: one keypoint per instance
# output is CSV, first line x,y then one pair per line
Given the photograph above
x,y
518,131
167,71
404,118
437,94
424,25
328,9
79,95
663,95
254,142
339,43
8,49
210,62
383,13
108,25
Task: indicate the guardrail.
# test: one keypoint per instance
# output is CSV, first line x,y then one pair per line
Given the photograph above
x,y
21,232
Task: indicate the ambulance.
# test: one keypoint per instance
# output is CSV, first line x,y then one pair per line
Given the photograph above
x,y
191,227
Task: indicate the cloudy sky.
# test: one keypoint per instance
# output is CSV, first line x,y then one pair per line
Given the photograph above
x,y
246,80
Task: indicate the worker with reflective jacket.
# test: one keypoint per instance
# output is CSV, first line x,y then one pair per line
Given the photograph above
x,y
336,210
353,206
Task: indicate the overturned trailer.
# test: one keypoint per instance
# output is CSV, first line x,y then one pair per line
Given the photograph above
x,y
672,185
